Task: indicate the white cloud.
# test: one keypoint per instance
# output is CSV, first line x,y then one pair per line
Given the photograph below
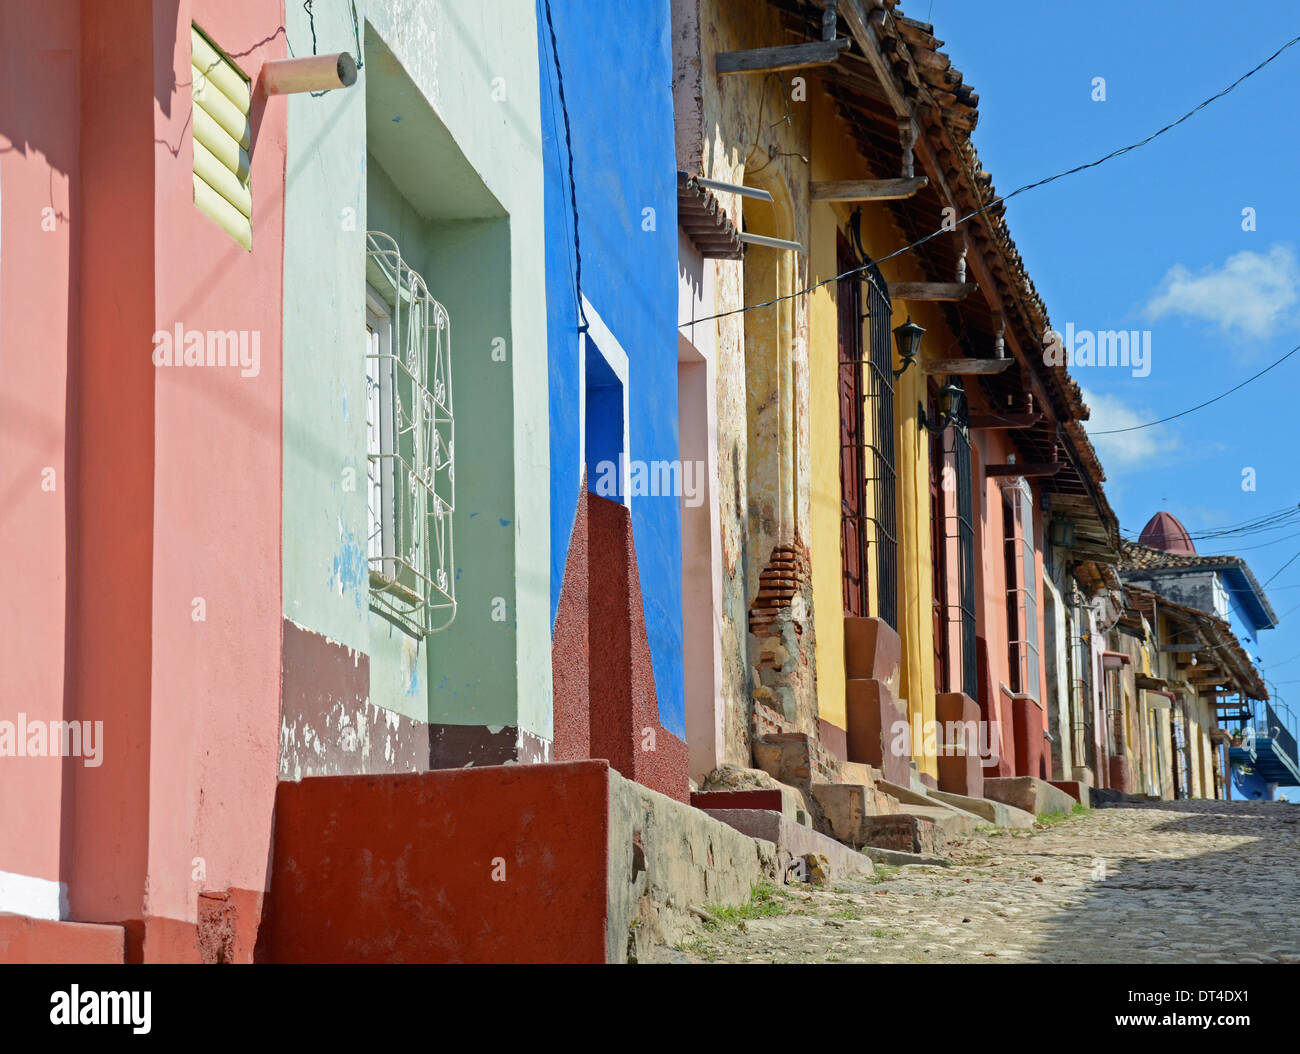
x,y
1125,448
1252,294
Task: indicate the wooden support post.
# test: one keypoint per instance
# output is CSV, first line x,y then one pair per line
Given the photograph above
x,y
867,189
907,135
786,57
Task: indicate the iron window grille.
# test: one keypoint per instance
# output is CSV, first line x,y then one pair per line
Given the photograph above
x,y
867,388
410,445
960,526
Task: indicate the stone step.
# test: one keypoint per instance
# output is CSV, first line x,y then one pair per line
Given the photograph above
x,y
901,832
795,842
920,794
780,799
916,794
994,812
898,858
953,822
1028,793
859,772
1076,789
845,808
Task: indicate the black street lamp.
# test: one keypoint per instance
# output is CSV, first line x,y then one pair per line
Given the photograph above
x,y
908,338
951,399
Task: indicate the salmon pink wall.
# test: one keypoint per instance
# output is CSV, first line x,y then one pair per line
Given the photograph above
x,y
215,683
991,447
39,127
166,480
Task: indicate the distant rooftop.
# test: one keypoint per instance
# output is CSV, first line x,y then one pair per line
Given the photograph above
x,y
1141,560
1165,531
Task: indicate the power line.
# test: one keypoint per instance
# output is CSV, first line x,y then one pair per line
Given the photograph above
x,y
573,186
1282,568
1001,198
1274,521
1199,406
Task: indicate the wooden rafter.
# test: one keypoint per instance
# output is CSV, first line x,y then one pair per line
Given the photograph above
x,y
784,57
868,189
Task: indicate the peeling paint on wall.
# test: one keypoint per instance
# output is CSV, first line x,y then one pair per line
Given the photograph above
x,y
328,725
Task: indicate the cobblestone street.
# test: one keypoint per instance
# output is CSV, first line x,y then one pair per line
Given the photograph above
x,y
1189,881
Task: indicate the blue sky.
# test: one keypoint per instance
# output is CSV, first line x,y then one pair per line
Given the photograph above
x,y
1153,241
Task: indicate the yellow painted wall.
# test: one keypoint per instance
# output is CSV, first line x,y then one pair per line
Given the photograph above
x,y
824,447
834,158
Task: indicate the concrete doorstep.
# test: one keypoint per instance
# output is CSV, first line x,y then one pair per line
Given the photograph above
x,y
994,812
1029,794
793,842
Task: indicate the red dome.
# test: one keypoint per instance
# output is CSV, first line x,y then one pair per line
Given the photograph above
x,y
1163,531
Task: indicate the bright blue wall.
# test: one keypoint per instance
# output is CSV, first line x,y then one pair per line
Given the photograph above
x,y
616,60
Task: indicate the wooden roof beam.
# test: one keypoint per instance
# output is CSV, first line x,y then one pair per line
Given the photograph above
x,y
868,189
964,366
783,57
979,419
1046,468
948,292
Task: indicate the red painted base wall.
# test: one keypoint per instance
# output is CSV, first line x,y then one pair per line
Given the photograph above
x,y
605,700
502,864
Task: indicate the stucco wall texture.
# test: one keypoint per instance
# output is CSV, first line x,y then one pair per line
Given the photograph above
x,y
40,174
163,637
437,145
622,154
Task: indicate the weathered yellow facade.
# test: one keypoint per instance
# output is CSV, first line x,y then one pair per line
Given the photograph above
x,y
835,158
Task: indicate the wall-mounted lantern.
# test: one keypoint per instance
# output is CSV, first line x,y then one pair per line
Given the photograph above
x,y
908,339
952,397
1061,533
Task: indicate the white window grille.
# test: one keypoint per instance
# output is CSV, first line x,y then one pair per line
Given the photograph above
x,y
410,444
1022,593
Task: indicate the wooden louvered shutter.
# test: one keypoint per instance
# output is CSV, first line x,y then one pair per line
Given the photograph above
x,y
222,100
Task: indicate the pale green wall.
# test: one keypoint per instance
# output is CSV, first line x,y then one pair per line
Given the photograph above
x,y
459,152
324,525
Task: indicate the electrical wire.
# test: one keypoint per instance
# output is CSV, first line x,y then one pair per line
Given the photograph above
x,y
1275,520
573,186
1282,568
1118,152
1198,406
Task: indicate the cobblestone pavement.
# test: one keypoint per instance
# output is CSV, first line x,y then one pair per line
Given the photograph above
x,y
1193,881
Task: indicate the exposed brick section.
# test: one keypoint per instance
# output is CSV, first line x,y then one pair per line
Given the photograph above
x,y
768,722
781,638
778,584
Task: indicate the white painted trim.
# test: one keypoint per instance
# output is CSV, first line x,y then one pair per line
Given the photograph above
x,y
37,898
616,359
